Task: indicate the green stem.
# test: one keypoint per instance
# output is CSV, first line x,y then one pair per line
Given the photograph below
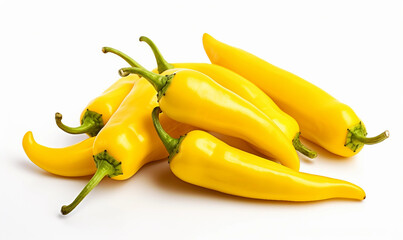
x,y
156,80
106,166
125,57
302,148
91,123
170,143
163,65
356,137
103,170
372,140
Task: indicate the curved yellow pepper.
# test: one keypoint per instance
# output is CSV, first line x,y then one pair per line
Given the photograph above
x,y
99,110
323,120
193,98
203,160
72,161
243,88
128,140
77,160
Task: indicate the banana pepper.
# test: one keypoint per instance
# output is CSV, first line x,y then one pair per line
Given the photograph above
x,y
77,160
99,110
72,161
193,98
323,120
128,140
244,89
203,160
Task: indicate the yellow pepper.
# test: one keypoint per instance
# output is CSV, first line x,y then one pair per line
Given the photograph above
x,y
203,160
128,140
244,89
72,161
99,110
193,98
77,160
323,120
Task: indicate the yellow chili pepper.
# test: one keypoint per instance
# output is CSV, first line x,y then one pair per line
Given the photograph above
x,y
203,160
77,160
243,88
99,110
193,98
323,120
128,140
72,161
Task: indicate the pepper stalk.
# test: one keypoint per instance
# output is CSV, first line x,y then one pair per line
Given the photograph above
x,y
170,143
91,123
162,64
106,166
357,137
159,82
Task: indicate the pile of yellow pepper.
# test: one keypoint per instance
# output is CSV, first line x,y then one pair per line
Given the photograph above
x,y
232,126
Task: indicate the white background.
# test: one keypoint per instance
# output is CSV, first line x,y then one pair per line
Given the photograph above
x,y
51,60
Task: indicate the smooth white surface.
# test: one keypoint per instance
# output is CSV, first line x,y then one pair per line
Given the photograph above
x,y
51,60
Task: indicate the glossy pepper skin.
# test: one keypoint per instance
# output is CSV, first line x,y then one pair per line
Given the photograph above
x,y
72,161
245,89
129,136
128,140
100,109
203,160
193,98
77,160
323,120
